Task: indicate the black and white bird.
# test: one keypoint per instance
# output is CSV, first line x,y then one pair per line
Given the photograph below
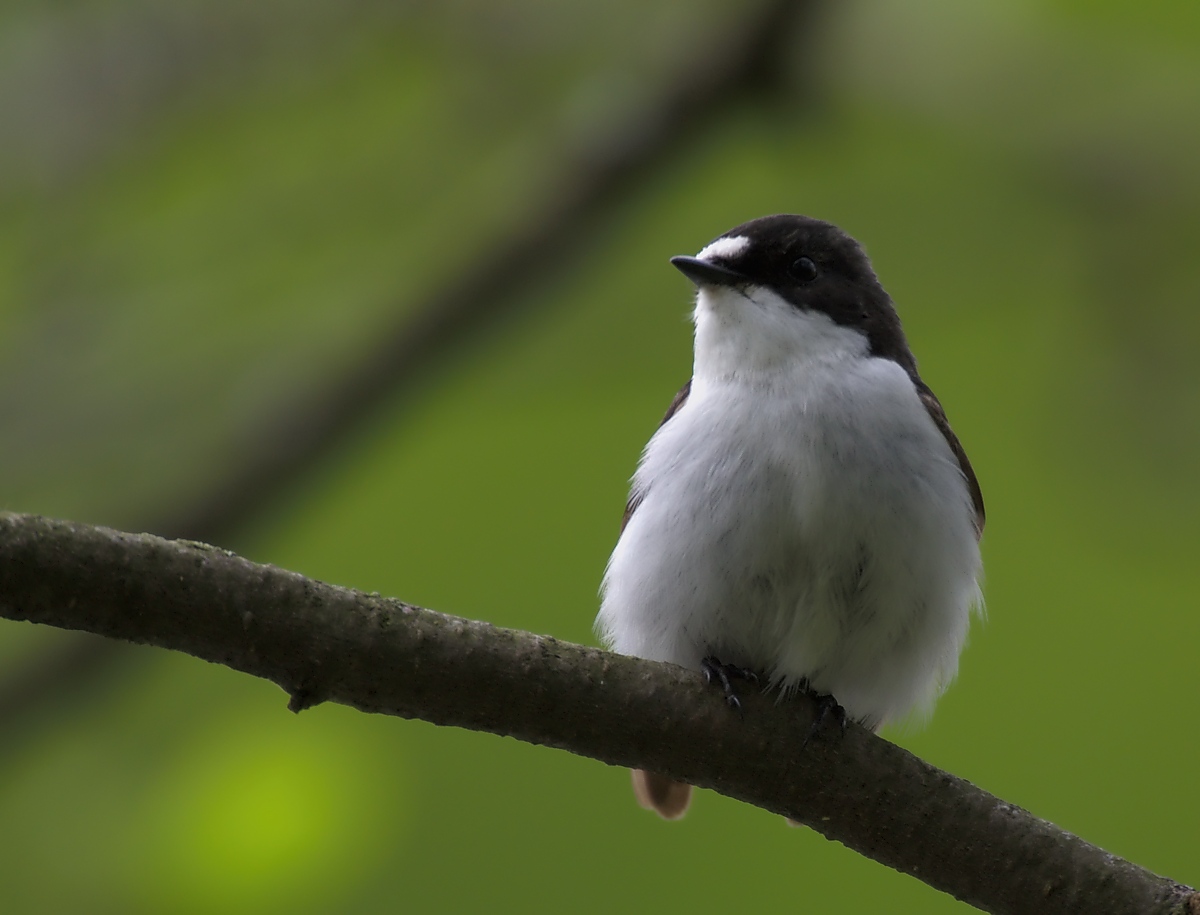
x,y
804,511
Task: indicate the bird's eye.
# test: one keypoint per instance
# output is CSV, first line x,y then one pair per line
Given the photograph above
x,y
803,270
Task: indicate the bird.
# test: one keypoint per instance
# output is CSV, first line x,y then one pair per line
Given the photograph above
x,y
804,515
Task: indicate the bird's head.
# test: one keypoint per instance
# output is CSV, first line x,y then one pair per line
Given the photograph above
x,y
780,291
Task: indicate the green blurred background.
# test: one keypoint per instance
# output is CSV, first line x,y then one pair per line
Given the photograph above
x,y
210,211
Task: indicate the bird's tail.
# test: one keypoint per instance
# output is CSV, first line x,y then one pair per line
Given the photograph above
x,y
665,796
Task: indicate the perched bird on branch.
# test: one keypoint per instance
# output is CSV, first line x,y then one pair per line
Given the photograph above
x,y
804,516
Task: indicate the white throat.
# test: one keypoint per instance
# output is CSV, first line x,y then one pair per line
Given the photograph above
x,y
754,335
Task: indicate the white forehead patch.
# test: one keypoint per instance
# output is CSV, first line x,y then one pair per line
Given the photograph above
x,y
729,246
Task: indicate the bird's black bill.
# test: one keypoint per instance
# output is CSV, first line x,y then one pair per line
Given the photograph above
x,y
703,273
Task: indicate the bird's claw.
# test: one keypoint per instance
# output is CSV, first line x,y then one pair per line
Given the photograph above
x,y
826,705
725,674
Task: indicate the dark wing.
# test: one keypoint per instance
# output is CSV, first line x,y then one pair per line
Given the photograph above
x,y
679,401
934,408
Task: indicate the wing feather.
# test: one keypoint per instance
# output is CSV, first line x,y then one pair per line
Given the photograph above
x,y
635,499
934,408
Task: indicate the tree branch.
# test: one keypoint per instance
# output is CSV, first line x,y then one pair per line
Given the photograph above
x,y
325,643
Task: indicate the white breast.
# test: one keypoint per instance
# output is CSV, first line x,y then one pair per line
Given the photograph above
x,y
807,521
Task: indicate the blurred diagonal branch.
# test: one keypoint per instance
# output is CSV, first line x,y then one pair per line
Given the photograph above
x,y
734,66
324,643
739,63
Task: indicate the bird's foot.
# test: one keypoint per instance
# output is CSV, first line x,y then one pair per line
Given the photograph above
x,y
725,674
826,706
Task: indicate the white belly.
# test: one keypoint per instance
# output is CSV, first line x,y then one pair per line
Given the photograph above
x,y
821,531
